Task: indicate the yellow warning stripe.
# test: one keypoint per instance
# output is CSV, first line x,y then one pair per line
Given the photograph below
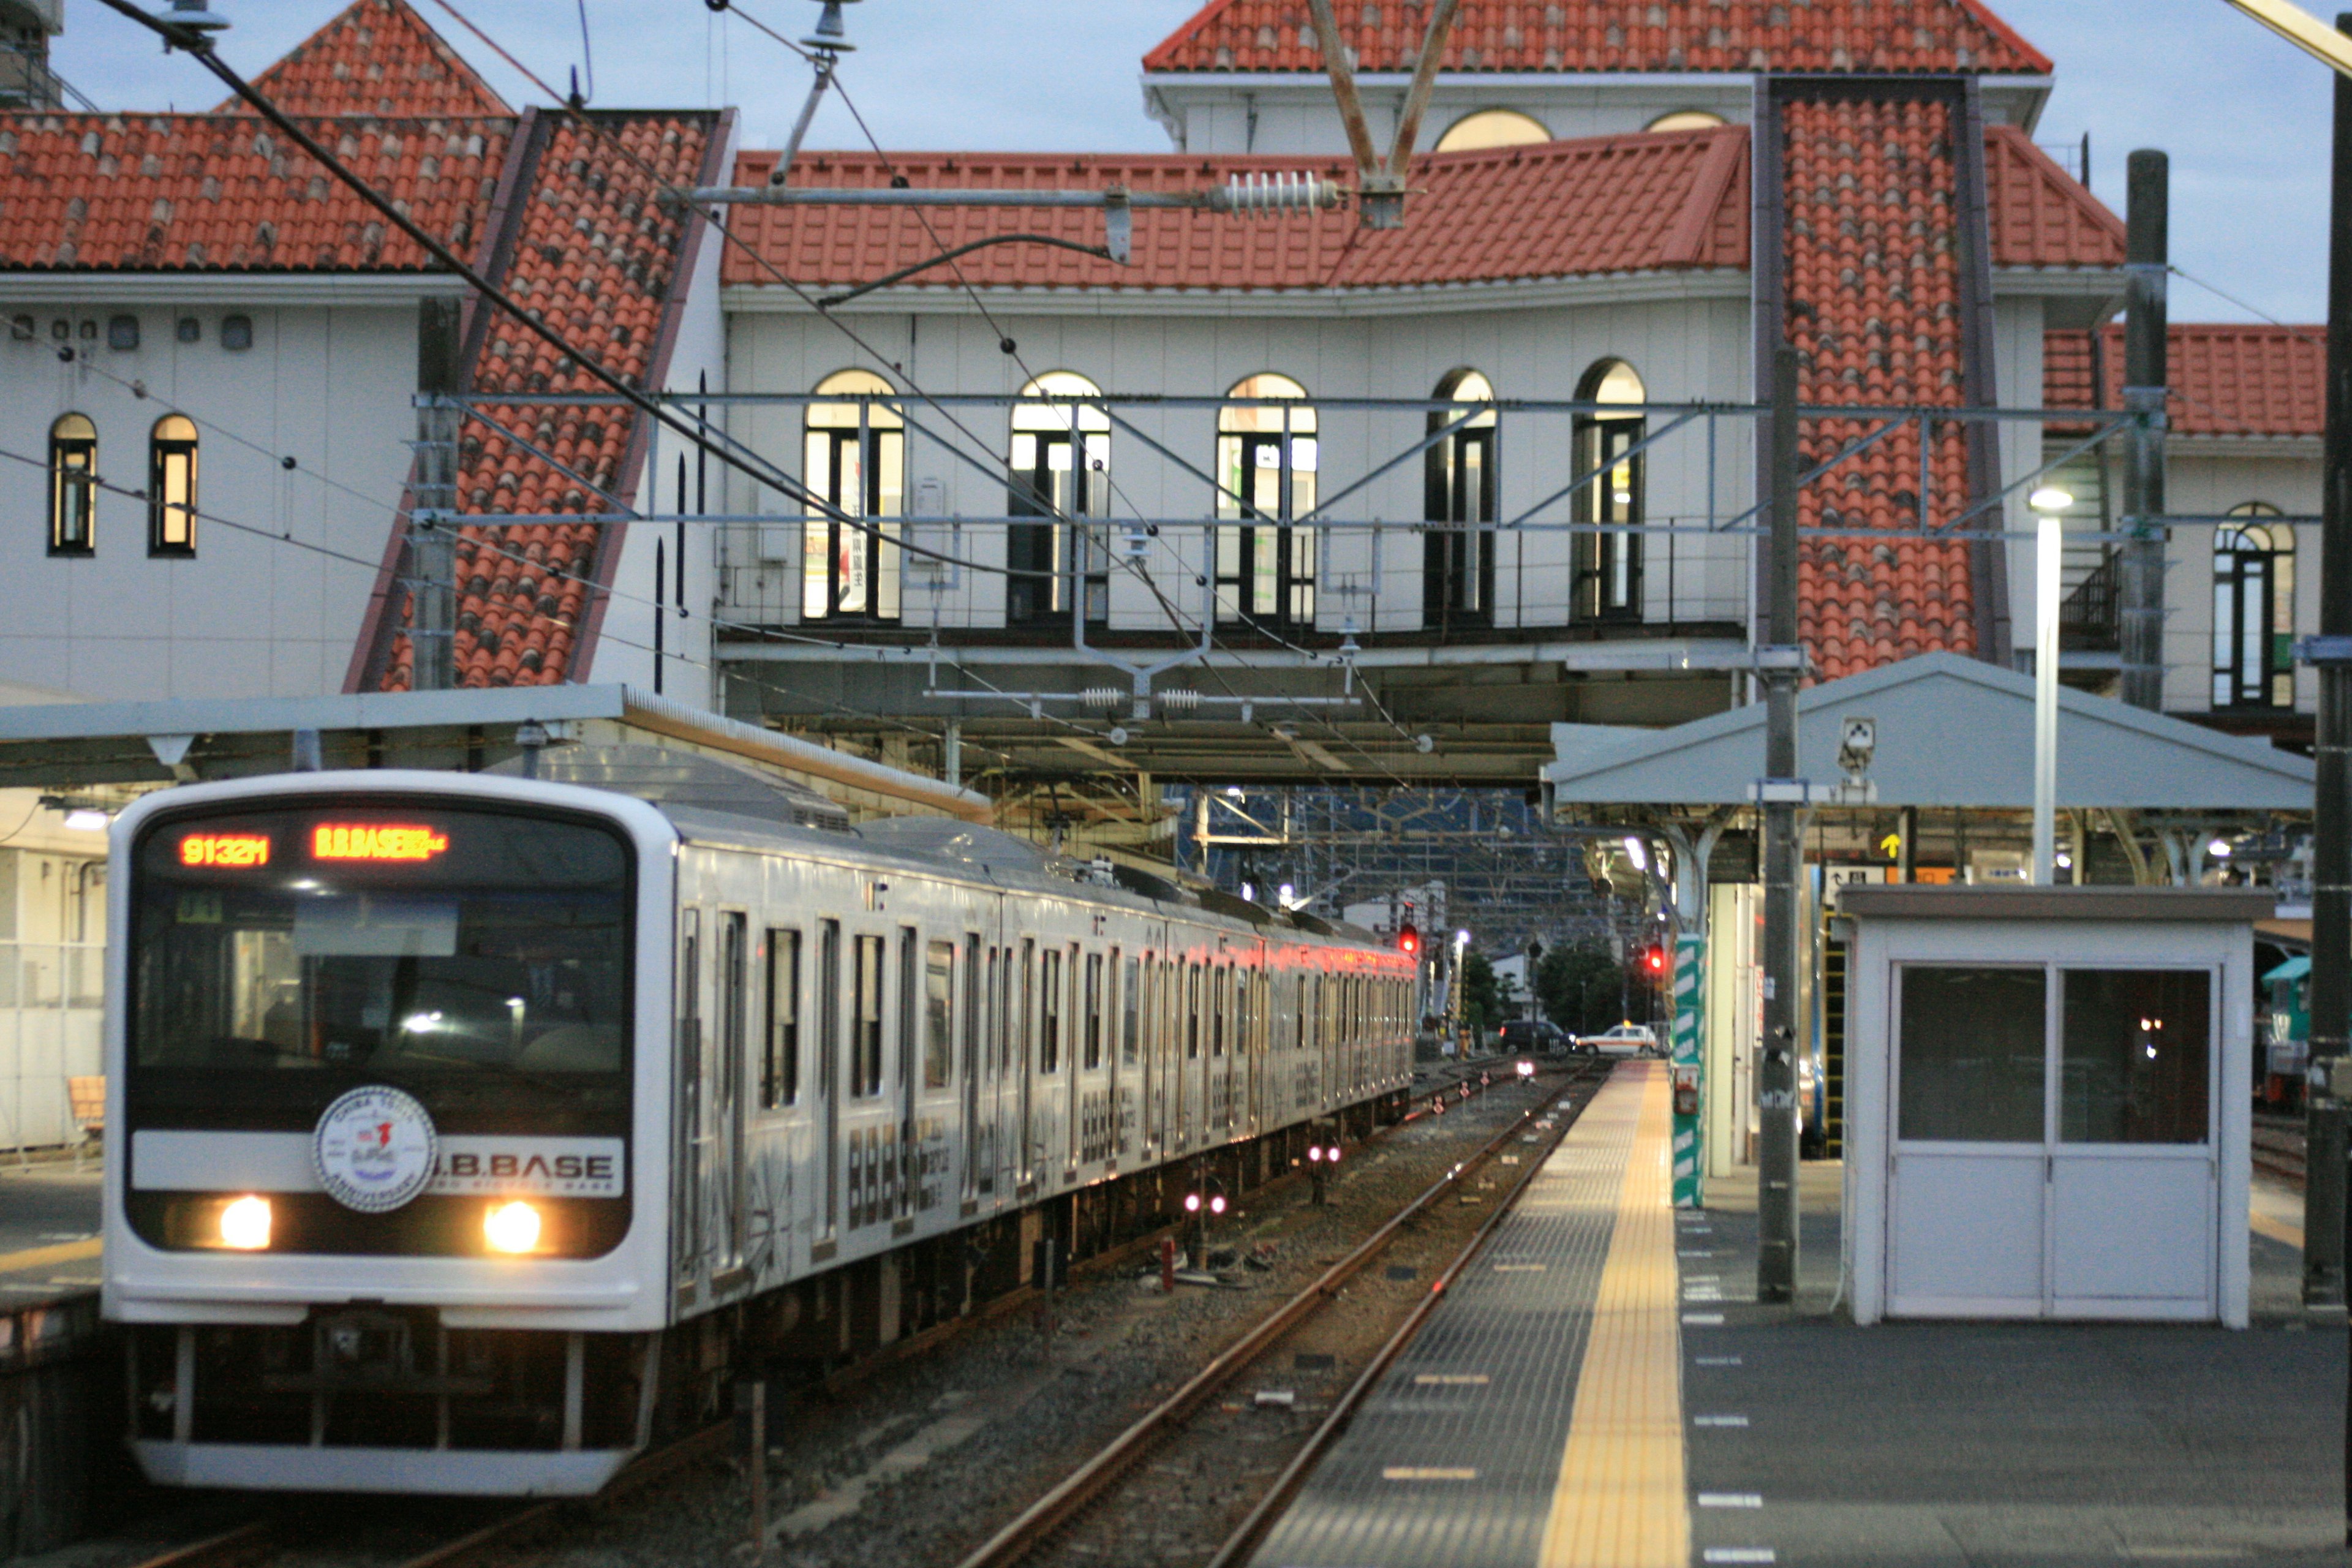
x,y
49,1257
2276,1229
1620,1501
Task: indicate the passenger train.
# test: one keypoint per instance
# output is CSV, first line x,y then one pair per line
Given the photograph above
x,y
477,1131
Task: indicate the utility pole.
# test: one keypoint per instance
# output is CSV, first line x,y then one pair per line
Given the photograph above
x,y
431,527
2331,901
1776,1077
2146,252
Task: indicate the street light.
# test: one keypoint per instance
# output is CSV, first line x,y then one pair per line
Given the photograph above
x,y
2049,555
1636,853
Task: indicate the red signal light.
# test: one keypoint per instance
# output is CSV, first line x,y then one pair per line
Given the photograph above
x,y
1408,938
1657,959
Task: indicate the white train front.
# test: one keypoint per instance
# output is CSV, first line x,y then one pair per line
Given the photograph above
x,y
477,1131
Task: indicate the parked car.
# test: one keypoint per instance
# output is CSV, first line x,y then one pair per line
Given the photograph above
x,y
1623,1040
1539,1036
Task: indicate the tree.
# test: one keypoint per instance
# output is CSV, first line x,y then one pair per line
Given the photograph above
x,y
1482,998
1578,987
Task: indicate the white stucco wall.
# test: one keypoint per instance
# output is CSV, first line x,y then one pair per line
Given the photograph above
x,y
1686,348
271,603
2207,477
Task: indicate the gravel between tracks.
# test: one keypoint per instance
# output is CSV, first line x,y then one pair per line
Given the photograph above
x,y
919,1463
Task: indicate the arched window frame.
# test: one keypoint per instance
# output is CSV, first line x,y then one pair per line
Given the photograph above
x,y
172,486
2253,610
1686,120
1493,127
73,485
1461,488
1606,584
1268,455
855,449
1051,478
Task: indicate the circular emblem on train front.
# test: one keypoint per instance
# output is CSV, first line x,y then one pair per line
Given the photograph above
x,y
374,1149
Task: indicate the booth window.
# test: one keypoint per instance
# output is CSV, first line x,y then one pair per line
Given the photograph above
x,y
1458,551
855,461
1061,468
1266,461
73,485
1972,1055
1608,552
2253,611
2136,1051
172,486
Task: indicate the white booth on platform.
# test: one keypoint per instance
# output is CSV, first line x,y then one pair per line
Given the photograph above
x,y
2047,1103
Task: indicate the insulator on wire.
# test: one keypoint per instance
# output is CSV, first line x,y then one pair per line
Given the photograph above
x,y
1180,701
1102,699
1279,190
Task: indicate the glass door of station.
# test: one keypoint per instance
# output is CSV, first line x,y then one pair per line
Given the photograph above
x,y
2053,1142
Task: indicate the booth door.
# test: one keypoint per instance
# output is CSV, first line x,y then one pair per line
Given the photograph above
x,y
2133,1182
1965,1210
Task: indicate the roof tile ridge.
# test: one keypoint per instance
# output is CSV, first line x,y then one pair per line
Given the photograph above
x,y
440,46
1994,23
1160,56
1719,166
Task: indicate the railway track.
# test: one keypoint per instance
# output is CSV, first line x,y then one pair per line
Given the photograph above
x,y
1093,1484
2278,1148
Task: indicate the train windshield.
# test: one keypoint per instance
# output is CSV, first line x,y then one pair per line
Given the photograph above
x,y
402,940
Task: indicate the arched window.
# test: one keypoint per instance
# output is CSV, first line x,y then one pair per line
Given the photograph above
x,y
856,460
172,486
1686,119
2253,611
1052,477
1266,460
73,485
1491,128
1458,584
1608,582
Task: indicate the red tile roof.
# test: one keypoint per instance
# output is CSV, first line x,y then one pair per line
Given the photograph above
x,y
376,57
1744,36
132,192
2041,216
2227,379
598,258
1557,209
1874,303
1621,203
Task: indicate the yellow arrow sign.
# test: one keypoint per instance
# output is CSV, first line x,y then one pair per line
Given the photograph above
x,y
2300,29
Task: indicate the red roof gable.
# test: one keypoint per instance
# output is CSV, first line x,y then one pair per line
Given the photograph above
x,y
1874,302
376,57
2227,379
599,258
131,192
1618,204
1744,36
2041,215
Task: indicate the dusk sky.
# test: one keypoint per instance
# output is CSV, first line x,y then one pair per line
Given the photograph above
x,y
2245,115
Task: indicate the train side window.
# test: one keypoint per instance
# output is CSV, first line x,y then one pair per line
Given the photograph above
x,y
865,1021
973,996
780,1070
1218,1009
1049,1011
828,1006
911,1006
1192,1012
1131,1014
939,1019
1094,1012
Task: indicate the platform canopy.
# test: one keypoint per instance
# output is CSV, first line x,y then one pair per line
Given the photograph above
x,y
1951,732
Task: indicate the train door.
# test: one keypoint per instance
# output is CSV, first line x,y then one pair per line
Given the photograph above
x,y
829,1068
690,1141
903,1153
1053,1016
974,1017
1025,1066
1005,1097
726,1063
1127,1078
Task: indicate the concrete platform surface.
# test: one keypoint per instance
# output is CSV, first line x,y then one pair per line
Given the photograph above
x,y
1581,1400
48,1232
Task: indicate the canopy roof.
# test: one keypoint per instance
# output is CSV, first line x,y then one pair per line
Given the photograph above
x,y
1951,730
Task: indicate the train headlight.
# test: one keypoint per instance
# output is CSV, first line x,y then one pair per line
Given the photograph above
x,y
245,1223
511,1227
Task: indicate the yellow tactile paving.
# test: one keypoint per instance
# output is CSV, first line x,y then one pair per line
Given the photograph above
x,y
1622,1499
2276,1229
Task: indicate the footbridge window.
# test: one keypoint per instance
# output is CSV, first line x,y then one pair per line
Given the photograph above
x,y
855,456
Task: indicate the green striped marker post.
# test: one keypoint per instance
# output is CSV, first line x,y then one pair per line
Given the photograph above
x,y
1690,964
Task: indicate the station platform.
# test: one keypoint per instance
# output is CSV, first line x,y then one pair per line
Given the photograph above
x,y
1601,1389
49,1214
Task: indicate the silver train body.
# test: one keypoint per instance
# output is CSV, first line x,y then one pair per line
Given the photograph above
x,y
473,1128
